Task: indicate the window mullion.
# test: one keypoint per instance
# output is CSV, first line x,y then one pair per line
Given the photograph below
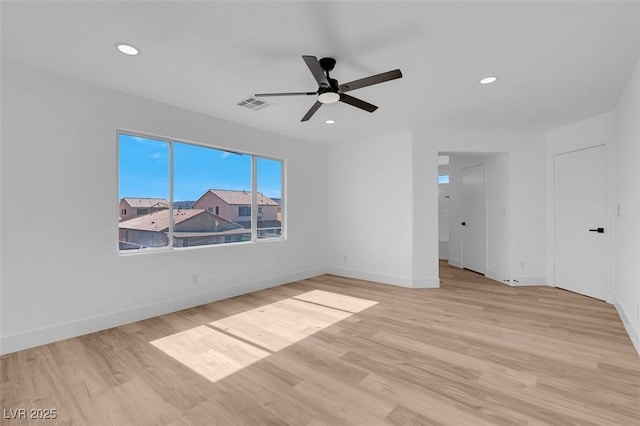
x,y
254,198
170,245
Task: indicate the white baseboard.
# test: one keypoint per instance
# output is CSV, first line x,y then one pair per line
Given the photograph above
x,y
634,335
426,283
385,279
455,262
443,249
496,276
54,333
525,280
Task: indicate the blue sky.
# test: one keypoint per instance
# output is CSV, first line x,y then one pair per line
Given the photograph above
x,y
144,170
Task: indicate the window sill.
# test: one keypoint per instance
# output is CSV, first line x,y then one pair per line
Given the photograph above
x,y
137,252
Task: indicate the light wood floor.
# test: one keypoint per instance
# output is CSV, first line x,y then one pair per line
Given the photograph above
x,y
337,351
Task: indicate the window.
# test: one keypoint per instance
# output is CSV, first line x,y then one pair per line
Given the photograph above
x,y
143,176
269,200
207,176
443,179
178,212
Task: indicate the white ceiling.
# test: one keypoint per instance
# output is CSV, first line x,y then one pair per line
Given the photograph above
x,y
555,62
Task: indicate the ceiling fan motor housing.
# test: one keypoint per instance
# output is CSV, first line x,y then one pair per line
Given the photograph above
x,y
333,86
327,64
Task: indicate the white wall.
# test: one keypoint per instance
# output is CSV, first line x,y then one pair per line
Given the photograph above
x,y
370,210
61,275
626,194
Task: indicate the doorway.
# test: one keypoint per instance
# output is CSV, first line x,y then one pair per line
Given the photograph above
x,y
443,207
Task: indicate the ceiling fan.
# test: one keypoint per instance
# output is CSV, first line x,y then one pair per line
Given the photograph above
x,y
329,91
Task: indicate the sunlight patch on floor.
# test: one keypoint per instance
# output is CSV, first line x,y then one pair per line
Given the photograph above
x,y
230,344
338,301
208,352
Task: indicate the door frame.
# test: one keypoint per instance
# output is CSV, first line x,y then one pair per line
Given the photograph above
x,y
551,154
482,163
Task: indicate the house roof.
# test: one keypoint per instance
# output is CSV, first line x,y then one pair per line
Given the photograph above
x,y
146,202
159,220
242,197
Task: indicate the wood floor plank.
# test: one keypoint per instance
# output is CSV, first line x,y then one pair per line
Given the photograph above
x,y
332,350
208,352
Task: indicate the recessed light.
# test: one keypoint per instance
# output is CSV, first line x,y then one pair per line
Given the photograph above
x,y
127,49
330,121
488,80
530,121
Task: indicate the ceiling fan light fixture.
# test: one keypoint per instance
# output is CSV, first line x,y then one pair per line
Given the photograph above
x,y
127,49
328,97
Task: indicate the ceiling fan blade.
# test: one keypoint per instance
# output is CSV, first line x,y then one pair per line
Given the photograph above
x,y
311,111
317,71
358,103
260,95
369,81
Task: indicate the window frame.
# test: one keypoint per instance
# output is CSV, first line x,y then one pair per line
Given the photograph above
x,y
254,199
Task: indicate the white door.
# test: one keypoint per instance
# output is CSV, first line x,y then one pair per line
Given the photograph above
x,y
581,254
473,219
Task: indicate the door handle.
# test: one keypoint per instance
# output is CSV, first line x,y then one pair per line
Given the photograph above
x,y
464,224
598,230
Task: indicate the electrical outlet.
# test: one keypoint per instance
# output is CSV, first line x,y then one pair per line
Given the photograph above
x,y
212,276
194,279
345,258
522,264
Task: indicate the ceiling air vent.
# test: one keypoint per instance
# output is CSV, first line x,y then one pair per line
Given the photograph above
x,y
254,104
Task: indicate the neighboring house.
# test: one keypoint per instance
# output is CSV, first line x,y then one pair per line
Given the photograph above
x,y
236,206
279,214
184,205
132,207
191,228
